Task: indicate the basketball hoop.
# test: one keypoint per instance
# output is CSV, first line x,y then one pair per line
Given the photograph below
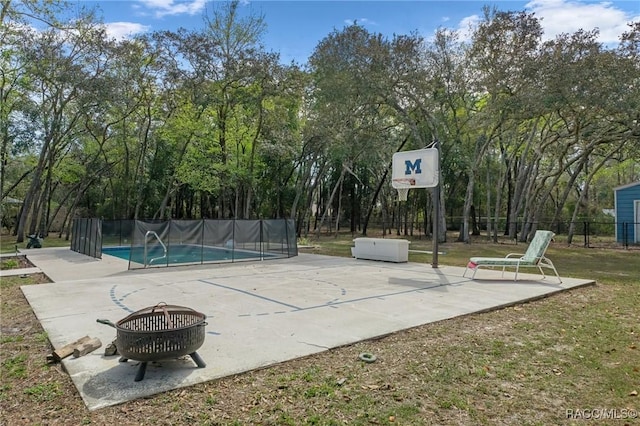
x,y
415,169
402,185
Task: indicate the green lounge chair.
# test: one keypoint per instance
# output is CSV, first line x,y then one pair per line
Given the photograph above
x,y
534,257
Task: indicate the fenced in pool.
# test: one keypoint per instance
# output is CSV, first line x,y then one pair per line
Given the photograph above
x,y
148,244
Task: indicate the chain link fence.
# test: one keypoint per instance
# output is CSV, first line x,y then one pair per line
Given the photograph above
x,y
583,233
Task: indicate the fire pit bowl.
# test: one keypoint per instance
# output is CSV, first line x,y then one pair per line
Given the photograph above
x,y
160,332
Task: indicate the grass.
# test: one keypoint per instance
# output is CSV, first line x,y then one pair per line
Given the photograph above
x,y
8,243
528,364
15,367
9,264
44,391
611,265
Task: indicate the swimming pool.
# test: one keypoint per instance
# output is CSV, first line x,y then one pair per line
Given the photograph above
x,y
183,254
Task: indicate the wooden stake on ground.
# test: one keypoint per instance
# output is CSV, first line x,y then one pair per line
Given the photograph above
x,y
87,347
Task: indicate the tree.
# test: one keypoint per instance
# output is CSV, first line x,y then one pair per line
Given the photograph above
x,y
228,80
16,107
349,69
64,65
503,56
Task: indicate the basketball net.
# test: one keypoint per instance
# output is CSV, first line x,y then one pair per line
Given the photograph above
x,y
402,186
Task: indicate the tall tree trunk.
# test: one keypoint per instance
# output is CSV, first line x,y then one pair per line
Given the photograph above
x,y
468,201
381,182
339,207
481,145
330,202
583,194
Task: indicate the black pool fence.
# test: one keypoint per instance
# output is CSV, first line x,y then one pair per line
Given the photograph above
x,y
152,243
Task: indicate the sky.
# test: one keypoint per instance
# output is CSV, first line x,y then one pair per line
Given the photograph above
x,y
295,27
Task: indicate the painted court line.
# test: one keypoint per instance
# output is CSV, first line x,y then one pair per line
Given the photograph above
x,y
332,303
248,293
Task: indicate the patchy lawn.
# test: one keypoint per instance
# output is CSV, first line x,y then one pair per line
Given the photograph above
x,y
533,364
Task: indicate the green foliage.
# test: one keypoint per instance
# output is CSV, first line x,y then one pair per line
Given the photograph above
x,y
10,339
44,391
206,123
9,264
15,366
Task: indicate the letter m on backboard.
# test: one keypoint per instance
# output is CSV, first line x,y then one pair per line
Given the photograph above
x,y
412,167
420,165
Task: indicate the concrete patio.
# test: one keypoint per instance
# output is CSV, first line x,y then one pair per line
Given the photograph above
x,y
258,313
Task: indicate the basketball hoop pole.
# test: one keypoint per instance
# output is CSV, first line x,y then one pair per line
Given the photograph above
x,y
436,212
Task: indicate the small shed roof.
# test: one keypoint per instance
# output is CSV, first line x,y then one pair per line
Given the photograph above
x,y
629,185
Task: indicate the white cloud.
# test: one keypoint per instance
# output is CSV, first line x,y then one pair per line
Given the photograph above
x,y
565,16
360,21
161,8
124,30
569,16
467,25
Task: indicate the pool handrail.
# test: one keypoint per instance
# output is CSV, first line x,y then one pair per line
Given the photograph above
x,y
146,239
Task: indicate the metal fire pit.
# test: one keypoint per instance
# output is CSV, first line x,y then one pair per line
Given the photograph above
x,y
160,332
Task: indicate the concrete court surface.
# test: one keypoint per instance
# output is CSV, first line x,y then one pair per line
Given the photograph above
x,y
258,313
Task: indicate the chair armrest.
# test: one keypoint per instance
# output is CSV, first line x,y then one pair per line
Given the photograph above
x,y
514,254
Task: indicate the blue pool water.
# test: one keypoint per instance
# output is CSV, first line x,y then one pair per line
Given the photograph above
x,y
182,254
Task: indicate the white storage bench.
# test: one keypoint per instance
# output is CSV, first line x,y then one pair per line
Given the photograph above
x,y
387,249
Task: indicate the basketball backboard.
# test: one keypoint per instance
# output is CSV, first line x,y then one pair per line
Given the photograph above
x,y
415,169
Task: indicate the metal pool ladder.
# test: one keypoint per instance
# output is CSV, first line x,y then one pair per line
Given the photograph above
x,y
146,240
